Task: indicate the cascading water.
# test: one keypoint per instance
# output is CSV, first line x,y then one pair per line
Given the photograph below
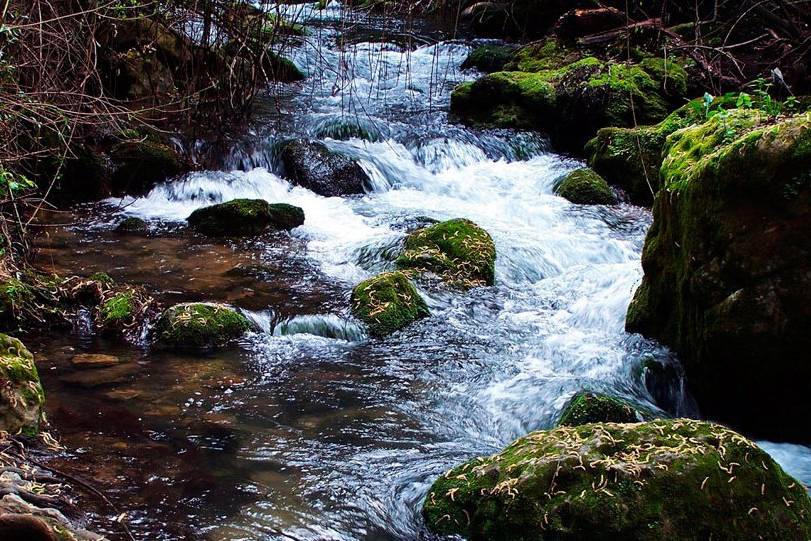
x,y
339,436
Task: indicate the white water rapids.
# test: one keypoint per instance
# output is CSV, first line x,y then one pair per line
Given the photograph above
x,y
377,421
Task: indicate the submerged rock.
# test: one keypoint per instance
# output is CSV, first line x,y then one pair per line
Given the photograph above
x,y
315,167
727,264
94,360
673,479
584,408
585,187
458,250
387,303
245,217
570,101
199,326
132,226
21,396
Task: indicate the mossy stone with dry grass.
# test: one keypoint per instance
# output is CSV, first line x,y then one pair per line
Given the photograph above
x,y
199,326
21,396
387,303
458,250
668,479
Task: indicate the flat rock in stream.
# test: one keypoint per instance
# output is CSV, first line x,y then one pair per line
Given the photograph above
x,y
314,166
102,377
94,360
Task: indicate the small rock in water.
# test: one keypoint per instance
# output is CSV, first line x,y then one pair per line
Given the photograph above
x,y
94,360
314,166
245,217
132,226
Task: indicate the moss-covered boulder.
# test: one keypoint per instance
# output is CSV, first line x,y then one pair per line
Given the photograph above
x,y
387,303
123,310
569,102
245,217
585,187
488,58
584,408
631,157
727,264
674,479
132,226
140,164
314,166
199,326
21,396
459,251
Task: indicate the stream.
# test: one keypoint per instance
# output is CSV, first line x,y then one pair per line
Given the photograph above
x,y
310,429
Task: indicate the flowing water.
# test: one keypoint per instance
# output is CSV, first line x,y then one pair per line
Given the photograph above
x,y
310,429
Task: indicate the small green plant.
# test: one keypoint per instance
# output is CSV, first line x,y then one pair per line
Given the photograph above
x,y
763,98
744,101
14,183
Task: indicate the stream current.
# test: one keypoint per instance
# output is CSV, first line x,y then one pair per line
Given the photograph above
x,y
310,429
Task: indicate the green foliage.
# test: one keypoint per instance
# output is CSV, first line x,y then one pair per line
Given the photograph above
x,y
15,184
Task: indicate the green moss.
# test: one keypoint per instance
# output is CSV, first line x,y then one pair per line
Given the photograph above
x,y
488,58
585,187
689,150
586,408
670,74
118,309
568,99
387,303
16,297
21,394
631,157
458,250
541,56
199,326
245,217
674,479
103,278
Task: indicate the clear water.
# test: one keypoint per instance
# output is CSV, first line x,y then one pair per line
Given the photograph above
x,y
321,432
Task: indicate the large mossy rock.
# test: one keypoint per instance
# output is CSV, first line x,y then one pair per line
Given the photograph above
x,y
585,187
631,157
21,396
245,217
459,251
571,101
727,265
199,326
584,408
674,479
387,303
139,165
314,166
